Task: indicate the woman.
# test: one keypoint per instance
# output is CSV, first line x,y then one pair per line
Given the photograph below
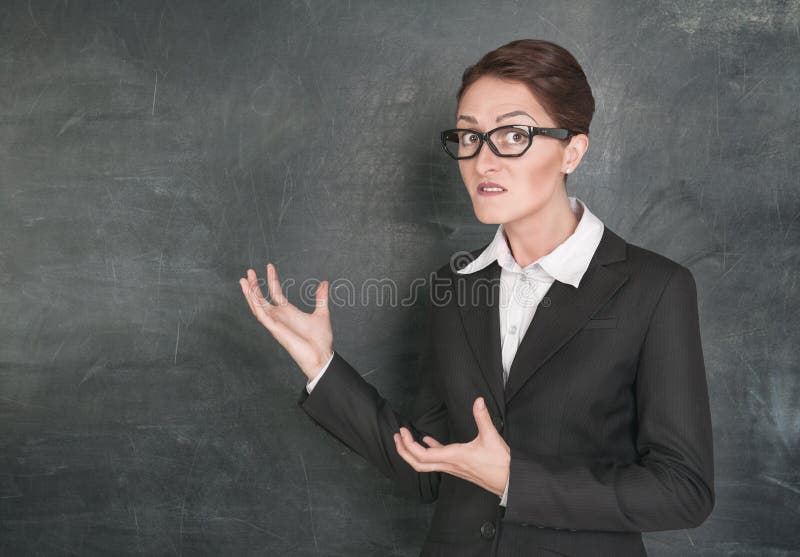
x,y
563,414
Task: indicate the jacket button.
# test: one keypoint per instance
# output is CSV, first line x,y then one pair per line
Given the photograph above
x,y
546,301
487,530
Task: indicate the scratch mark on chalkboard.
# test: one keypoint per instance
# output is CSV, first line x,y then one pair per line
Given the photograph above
x,y
586,60
753,88
53,359
739,334
23,404
258,214
98,365
389,523
222,221
39,96
731,267
778,208
691,541
155,90
138,540
185,492
35,23
240,150
158,279
781,483
251,525
161,21
177,340
285,202
310,509
789,227
74,119
716,93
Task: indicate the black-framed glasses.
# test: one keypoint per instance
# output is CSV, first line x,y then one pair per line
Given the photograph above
x,y
505,141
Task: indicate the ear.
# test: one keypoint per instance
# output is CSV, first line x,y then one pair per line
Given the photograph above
x,y
574,151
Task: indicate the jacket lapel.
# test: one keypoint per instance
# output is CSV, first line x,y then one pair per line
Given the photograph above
x,y
565,310
478,301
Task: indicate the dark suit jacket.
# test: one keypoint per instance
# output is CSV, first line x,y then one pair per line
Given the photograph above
x,y
605,410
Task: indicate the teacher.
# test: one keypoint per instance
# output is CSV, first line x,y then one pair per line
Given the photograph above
x,y
563,406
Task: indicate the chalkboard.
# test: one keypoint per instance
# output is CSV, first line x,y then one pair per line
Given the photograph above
x,y
150,152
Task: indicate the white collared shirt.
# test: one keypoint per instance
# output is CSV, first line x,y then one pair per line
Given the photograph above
x,y
521,290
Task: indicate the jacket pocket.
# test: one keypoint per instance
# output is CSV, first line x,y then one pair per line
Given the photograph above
x,y
604,323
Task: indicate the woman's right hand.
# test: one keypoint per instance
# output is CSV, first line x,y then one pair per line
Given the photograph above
x,y
307,337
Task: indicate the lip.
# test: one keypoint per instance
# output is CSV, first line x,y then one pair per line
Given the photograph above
x,y
490,185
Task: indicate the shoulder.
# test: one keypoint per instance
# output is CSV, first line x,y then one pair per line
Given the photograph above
x,y
654,271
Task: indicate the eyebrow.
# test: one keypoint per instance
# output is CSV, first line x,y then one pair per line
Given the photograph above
x,y
501,117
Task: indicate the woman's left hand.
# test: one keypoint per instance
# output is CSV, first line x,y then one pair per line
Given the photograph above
x,y
485,461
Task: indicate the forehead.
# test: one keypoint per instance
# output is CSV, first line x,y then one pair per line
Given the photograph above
x,y
490,96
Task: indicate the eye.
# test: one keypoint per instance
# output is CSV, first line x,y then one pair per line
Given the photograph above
x,y
515,137
469,138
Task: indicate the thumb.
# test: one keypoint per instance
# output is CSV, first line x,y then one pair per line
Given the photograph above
x,y
321,298
482,417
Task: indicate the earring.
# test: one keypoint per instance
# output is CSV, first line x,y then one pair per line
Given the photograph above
x,y
568,171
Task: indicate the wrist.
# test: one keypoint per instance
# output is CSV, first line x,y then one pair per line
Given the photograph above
x,y
317,368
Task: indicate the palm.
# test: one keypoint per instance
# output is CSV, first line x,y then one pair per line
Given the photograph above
x,y
307,337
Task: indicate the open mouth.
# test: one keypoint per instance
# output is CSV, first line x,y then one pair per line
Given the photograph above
x,y
490,188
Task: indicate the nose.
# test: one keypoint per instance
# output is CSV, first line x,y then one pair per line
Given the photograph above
x,y
486,162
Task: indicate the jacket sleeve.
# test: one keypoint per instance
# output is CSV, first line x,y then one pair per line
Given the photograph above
x,y
352,410
671,483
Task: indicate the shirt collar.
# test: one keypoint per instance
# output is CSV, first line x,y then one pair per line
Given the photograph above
x,y
566,263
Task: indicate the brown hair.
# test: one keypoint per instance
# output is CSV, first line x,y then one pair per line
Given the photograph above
x,y
550,72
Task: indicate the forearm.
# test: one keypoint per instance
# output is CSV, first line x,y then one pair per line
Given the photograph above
x,y
562,493
353,411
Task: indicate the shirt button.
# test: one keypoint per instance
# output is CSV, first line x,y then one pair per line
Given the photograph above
x,y
487,530
512,329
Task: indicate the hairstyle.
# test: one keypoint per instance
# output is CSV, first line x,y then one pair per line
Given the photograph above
x,y
549,71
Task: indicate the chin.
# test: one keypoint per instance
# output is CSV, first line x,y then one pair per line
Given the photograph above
x,y
489,217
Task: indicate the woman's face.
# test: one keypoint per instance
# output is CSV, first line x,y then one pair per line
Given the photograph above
x,y
531,181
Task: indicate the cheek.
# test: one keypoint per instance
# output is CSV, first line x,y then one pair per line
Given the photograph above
x,y
466,170
535,170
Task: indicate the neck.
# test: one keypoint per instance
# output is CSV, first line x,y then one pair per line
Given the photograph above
x,y
539,233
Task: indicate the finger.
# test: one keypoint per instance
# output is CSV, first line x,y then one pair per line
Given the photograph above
x,y
254,293
263,310
247,290
274,285
482,417
451,454
446,467
416,464
321,296
431,441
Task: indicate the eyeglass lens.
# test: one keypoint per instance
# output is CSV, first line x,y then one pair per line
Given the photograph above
x,y
508,140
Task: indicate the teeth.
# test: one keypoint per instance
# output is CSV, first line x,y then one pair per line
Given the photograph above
x,y
492,189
